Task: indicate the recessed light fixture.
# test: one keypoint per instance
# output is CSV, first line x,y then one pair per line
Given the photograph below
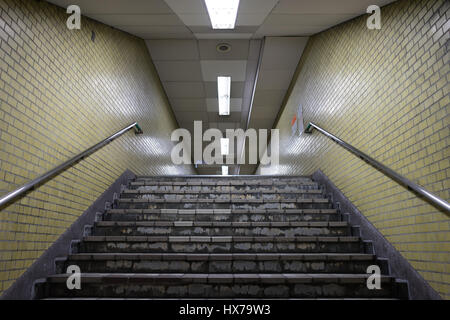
x,y
224,146
224,170
223,47
222,13
223,89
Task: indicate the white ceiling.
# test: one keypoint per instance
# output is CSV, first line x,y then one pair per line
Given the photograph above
x,y
182,44
188,19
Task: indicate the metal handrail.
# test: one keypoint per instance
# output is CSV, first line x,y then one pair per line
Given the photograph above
x,y
33,183
441,203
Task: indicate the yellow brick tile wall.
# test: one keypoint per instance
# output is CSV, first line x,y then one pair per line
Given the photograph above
x,y
387,93
60,93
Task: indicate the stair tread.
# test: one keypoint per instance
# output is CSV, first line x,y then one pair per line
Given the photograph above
x,y
186,223
224,211
228,256
222,239
238,192
150,200
237,277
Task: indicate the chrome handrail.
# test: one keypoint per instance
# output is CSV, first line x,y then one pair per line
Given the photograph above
x,y
33,183
441,203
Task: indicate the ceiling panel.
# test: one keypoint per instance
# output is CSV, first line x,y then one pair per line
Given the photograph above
x,y
195,104
275,79
155,29
138,19
192,116
236,69
187,6
306,19
281,53
290,31
224,35
239,50
233,117
117,6
173,50
186,19
237,89
256,6
165,36
269,98
179,70
326,6
212,105
184,89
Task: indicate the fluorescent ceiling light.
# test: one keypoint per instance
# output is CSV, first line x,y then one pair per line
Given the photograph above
x,y
222,13
224,146
223,88
224,170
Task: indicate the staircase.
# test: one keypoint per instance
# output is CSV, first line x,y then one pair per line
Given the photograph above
x,y
222,237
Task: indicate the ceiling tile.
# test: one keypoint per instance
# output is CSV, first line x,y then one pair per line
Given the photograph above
x,y
224,36
179,70
187,6
246,20
257,6
269,98
195,20
212,105
236,30
192,116
194,104
117,6
233,117
143,31
173,49
274,79
306,19
237,89
325,6
208,50
286,31
226,125
211,69
184,89
118,20
165,36
282,53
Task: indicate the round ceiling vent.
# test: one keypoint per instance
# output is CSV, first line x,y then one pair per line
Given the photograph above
x,y
223,47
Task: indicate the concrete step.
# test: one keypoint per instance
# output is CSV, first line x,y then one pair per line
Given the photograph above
x,y
222,204
221,263
208,228
237,215
220,190
266,197
219,244
256,285
250,180
249,183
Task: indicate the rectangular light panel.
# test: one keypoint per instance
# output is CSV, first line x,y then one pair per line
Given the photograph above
x,y
224,149
223,89
224,170
222,13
